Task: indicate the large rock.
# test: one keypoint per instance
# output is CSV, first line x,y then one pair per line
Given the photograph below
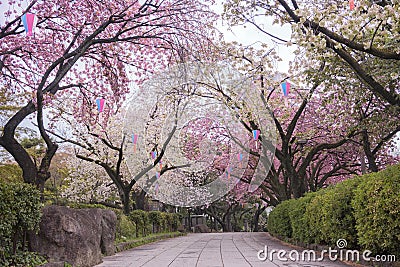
x,y
76,236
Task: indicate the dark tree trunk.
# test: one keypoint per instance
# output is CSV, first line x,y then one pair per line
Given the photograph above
x,y
227,226
32,174
256,218
372,166
126,200
140,199
29,170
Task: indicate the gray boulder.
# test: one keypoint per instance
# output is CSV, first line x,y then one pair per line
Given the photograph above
x,y
76,236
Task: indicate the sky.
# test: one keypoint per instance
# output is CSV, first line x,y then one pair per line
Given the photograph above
x,y
249,35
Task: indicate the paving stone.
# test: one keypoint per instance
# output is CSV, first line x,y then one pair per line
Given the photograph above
x,y
208,250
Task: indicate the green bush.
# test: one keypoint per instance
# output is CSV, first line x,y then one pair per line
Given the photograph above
x,y
300,227
173,221
24,259
166,219
141,220
11,173
377,211
126,228
156,219
279,220
330,215
364,210
19,212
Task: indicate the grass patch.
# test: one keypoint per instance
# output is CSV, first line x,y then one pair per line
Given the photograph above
x,y
135,242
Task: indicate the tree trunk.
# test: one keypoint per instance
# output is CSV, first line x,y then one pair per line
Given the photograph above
x,y
125,200
140,200
256,218
29,170
227,227
372,166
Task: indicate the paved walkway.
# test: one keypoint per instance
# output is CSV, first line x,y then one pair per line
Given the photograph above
x,y
208,250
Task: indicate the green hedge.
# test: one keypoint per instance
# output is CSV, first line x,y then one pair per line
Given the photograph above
x,y
301,230
153,222
126,228
330,215
364,210
279,220
377,212
19,212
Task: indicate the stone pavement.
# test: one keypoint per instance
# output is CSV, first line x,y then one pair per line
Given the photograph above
x,y
209,250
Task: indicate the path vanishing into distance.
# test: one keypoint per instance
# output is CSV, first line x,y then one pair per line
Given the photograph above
x,y
213,249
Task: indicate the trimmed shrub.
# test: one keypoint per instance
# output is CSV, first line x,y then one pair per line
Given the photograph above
x,y
126,229
136,217
165,222
330,214
154,222
367,207
279,220
376,207
141,220
300,226
11,173
174,220
156,219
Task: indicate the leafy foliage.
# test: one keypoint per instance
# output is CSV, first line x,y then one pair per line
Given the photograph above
x,y
126,228
10,173
330,214
279,220
377,211
19,212
153,222
301,230
140,218
366,207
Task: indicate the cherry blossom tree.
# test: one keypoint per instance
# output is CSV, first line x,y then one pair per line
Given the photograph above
x,y
86,50
349,62
104,144
87,183
357,44
318,140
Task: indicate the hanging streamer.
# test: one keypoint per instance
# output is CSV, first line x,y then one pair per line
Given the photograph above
x,y
156,188
285,88
351,2
153,154
157,175
256,134
29,20
240,158
228,173
100,104
134,141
